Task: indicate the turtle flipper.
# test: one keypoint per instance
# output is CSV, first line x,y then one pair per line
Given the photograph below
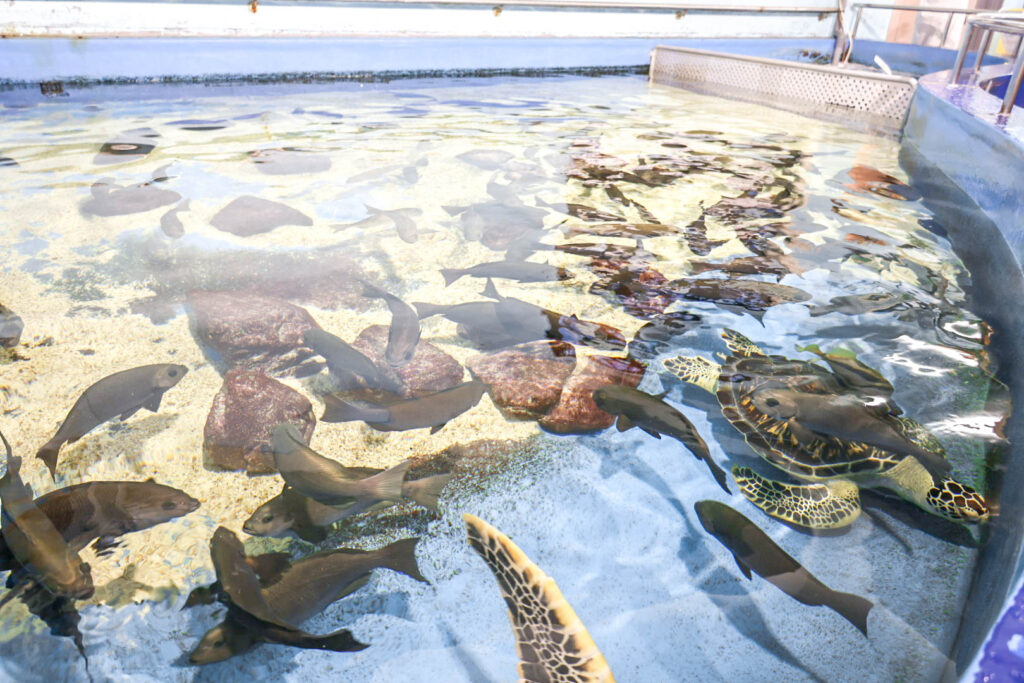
x,y
831,505
695,370
741,346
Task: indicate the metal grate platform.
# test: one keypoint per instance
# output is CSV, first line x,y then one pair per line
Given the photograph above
x,y
873,100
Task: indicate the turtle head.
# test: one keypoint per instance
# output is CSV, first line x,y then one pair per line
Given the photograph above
x,y
957,502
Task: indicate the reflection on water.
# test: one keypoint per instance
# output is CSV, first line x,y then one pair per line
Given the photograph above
x,y
248,334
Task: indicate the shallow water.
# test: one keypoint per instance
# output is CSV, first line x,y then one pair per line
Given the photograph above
x,y
104,260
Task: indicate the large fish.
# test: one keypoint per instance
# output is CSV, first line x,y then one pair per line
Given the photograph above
x,y
121,394
651,414
751,295
248,605
291,513
99,512
433,410
404,333
861,419
327,481
344,360
754,551
522,271
34,542
304,589
497,224
507,321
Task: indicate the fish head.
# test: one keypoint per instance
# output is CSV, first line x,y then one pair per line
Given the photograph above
x,y
73,581
718,519
168,375
606,399
777,403
150,503
273,519
221,642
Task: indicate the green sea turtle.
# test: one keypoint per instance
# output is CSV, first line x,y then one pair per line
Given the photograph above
x,y
837,429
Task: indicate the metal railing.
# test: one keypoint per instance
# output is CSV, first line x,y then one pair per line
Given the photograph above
x,y
988,24
951,11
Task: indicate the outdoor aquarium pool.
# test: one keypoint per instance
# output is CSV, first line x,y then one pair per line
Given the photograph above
x,y
596,304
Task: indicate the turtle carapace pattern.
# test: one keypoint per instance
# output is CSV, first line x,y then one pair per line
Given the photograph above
x,y
838,431
553,644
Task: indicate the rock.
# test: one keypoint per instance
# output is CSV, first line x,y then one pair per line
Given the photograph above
x,y
253,331
525,381
248,215
430,370
576,412
245,410
11,328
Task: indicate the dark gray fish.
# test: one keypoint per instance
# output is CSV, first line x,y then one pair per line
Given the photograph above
x,y
113,200
7,161
847,417
327,481
99,512
753,296
523,271
248,215
433,410
754,551
498,224
623,230
404,332
400,219
289,160
857,304
11,328
121,394
344,360
304,589
290,512
249,608
171,224
583,212
34,542
200,124
651,414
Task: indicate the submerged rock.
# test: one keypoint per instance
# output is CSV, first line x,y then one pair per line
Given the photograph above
x,y
245,410
525,381
253,331
11,328
576,412
428,371
248,215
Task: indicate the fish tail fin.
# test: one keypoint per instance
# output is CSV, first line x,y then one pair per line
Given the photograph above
x,y
427,490
373,211
425,310
400,556
12,488
48,454
336,410
853,608
490,291
371,290
388,484
451,275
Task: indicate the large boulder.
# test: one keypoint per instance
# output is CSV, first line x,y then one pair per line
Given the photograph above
x,y
253,331
576,412
525,381
428,371
248,215
245,410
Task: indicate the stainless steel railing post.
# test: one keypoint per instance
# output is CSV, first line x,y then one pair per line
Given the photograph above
x,y
961,54
986,40
1013,88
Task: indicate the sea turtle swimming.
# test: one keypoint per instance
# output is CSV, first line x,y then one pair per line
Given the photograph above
x,y
837,429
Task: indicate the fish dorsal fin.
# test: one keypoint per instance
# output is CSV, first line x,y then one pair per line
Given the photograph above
x,y
491,292
269,566
743,568
552,642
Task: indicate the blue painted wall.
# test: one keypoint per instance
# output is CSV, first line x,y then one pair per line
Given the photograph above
x,y
911,59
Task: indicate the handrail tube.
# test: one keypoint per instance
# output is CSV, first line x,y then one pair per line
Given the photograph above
x,y
1013,87
918,8
961,54
982,50
588,4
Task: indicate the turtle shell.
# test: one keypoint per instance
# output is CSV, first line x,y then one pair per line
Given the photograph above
x,y
827,457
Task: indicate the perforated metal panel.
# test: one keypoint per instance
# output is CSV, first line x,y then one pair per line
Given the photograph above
x,y
827,92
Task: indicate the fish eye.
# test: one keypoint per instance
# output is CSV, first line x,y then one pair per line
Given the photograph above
x,y
267,519
86,569
168,505
218,643
172,372
771,402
